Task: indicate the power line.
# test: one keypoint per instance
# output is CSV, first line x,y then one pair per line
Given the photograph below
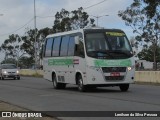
x,y
83,8
95,4
17,29
44,16
98,17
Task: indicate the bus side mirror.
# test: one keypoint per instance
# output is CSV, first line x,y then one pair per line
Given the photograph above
x,y
77,40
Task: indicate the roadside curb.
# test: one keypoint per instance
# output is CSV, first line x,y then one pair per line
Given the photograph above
x,y
147,83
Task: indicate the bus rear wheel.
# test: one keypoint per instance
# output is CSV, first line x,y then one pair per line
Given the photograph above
x,y
124,87
81,86
57,85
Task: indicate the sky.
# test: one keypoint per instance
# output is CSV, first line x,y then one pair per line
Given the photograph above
x,y
18,15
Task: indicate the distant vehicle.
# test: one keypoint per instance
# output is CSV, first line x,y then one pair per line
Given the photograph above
x,y
89,58
9,71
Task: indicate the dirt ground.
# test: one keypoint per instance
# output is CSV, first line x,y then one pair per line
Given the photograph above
x,y
8,107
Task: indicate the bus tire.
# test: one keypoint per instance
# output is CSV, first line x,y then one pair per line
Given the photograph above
x,y
81,87
62,85
124,87
55,83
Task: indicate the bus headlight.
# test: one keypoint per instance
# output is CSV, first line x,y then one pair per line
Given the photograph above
x,y
130,68
4,72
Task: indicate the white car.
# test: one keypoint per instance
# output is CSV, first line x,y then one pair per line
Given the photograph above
x,y
9,71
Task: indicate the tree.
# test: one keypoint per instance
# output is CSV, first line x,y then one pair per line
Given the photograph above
x,y
80,19
147,54
16,46
152,7
9,61
42,33
62,21
12,47
29,42
76,19
143,16
25,62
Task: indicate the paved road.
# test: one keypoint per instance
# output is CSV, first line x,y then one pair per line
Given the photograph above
x,y
37,94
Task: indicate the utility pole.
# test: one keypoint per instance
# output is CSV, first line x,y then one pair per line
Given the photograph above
x,y
18,51
97,17
35,34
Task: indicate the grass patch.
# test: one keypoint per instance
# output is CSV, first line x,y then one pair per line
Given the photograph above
x,y
33,75
37,75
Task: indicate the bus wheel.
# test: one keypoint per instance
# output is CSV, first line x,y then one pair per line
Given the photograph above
x,y
55,83
81,87
124,87
62,85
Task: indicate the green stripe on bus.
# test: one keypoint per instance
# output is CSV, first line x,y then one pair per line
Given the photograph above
x,y
110,63
60,62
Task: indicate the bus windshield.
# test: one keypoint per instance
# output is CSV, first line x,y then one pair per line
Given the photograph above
x,y
108,44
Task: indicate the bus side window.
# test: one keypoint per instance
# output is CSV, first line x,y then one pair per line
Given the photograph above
x,y
79,49
44,48
71,46
64,46
56,46
42,53
48,47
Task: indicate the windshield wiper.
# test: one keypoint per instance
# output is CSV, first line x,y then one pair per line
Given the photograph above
x,y
103,52
121,52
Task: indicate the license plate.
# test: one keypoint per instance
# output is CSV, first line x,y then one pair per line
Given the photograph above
x,y
115,74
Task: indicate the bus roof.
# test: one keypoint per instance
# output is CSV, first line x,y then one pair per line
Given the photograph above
x,y
85,30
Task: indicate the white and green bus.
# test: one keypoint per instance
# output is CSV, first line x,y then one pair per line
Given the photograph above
x,y
89,58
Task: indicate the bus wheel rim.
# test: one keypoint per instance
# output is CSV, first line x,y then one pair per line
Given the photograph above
x,y
55,82
80,83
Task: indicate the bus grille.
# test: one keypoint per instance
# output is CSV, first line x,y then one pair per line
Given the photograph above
x,y
114,77
113,69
